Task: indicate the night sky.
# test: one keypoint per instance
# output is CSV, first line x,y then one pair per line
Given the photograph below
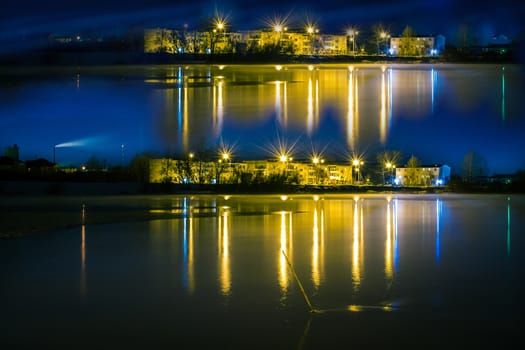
x,y
482,18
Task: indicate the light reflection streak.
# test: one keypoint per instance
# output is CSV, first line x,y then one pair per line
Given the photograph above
x,y
278,104
286,246
310,106
352,119
389,244
315,252
281,111
382,113
185,128
438,230
187,252
357,245
83,282
317,247
396,241
218,110
224,254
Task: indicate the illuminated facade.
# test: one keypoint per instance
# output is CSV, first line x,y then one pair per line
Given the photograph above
x,y
167,170
417,46
427,175
160,40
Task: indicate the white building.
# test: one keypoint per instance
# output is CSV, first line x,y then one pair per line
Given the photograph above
x,y
426,175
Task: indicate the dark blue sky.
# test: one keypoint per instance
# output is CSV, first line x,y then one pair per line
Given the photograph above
x,y
482,18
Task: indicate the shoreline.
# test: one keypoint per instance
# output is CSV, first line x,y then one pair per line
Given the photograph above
x,y
31,214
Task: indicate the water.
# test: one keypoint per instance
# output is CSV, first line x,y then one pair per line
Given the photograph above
x,y
390,270
437,112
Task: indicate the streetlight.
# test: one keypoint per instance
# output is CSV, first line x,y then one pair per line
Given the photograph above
x,y
357,163
384,36
352,33
316,161
311,30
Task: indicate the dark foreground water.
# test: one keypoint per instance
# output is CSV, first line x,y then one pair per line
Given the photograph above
x,y
443,271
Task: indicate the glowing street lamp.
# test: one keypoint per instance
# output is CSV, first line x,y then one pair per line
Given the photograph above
x,y
352,33
357,163
384,37
316,161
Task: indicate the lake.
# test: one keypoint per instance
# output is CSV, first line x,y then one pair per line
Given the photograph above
x,y
436,112
270,271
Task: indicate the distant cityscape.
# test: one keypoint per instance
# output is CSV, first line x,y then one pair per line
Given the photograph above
x,y
216,39
216,167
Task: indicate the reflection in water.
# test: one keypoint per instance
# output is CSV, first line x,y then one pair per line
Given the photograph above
x,y
317,247
83,283
312,119
357,245
286,247
187,252
218,107
224,253
438,229
391,240
281,109
204,103
385,114
352,119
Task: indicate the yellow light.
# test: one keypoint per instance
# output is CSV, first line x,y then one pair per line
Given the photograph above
x,y
191,155
278,28
225,156
278,67
310,67
310,29
315,160
283,198
283,158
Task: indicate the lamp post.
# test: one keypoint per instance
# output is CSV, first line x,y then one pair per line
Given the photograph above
x,y
316,161
352,33
357,163
384,37
311,32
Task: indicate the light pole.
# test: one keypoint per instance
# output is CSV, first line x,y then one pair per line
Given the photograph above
x,y
357,163
384,37
316,161
352,33
311,32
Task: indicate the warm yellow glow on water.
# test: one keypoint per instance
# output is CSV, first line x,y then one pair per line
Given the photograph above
x,y
224,253
218,110
352,117
389,243
286,246
357,248
318,248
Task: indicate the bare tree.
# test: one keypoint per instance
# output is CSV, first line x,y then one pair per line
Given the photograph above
x,y
474,166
